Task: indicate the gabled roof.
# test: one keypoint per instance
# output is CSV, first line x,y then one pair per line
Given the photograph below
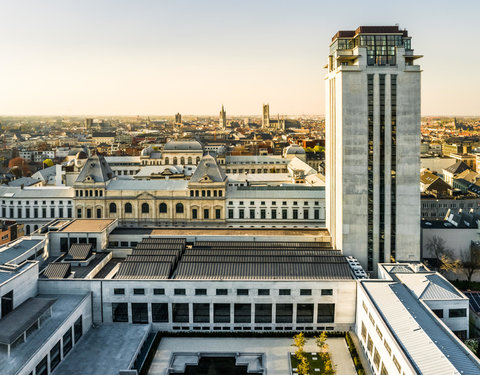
x,y
79,251
57,271
457,168
428,177
208,170
468,175
97,169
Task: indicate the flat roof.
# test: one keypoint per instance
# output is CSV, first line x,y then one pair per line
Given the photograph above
x,y
17,248
241,232
428,345
19,320
20,354
87,225
102,351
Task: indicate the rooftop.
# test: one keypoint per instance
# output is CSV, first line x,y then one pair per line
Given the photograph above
x,y
431,348
88,225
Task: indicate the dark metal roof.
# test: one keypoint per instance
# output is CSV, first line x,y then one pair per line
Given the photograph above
x,y
155,252
163,240
261,252
22,318
276,258
256,244
57,271
79,251
155,246
474,299
143,270
263,271
151,258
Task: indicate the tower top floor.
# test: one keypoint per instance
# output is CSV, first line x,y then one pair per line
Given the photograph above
x,y
383,46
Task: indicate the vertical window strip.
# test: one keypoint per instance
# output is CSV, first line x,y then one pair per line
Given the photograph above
x,y
381,247
370,173
393,195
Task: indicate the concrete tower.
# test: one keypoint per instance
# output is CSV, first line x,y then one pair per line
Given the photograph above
x,y
373,145
266,116
223,118
178,118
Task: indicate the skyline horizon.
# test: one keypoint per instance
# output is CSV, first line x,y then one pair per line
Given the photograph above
x,y
68,58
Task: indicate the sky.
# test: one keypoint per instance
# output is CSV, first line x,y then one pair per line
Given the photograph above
x,y
159,57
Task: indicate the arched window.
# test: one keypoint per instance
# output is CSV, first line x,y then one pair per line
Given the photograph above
x,y
175,161
167,161
189,160
198,160
128,208
113,208
163,208
27,229
35,227
179,208
182,160
145,208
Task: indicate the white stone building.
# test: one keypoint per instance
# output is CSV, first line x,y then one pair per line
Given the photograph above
x,y
372,141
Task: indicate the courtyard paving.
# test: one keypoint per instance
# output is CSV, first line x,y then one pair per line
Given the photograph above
x,y
276,351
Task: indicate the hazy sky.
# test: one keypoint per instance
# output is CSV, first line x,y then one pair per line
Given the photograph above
x,y
143,57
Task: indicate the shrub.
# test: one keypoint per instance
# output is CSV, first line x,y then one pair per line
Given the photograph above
x,y
353,352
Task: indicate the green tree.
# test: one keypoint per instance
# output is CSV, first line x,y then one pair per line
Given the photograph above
x,y
321,342
303,367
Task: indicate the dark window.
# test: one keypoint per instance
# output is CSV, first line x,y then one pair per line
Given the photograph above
x,y
218,213
326,313
78,329
128,208
284,292
438,312
139,313
113,208
118,291
206,213
160,312
305,214
7,303
163,207
120,312
200,292
138,291
305,292
263,292
305,313
284,214
145,208
230,214
221,313
263,313
284,312
274,214
179,292
67,342
158,291
263,214
42,368
457,313
89,213
222,292
180,312
316,214
179,208
55,356
201,313
242,313
241,214
327,292
252,214
99,213
242,292
295,214
194,213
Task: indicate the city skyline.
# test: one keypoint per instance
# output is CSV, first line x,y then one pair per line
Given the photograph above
x,y
149,58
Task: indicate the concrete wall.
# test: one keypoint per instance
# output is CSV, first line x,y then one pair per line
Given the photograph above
x,y
23,284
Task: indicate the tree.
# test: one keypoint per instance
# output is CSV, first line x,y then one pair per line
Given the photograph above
x,y
442,254
321,342
318,148
470,262
299,343
473,345
329,369
303,367
21,164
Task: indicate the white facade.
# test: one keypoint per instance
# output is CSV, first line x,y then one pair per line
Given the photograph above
x,y
361,160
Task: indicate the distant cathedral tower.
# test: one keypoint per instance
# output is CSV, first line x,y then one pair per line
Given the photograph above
x,y
223,118
266,116
178,118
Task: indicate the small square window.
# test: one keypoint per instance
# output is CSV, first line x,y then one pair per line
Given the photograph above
x,y
242,292
327,292
284,292
262,203
138,291
179,292
284,203
200,292
158,291
263,292
118,291
295,203
274,203
222,292
252,203
305,292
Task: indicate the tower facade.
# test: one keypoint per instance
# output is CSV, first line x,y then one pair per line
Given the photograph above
x,y
266,116
373,145
178,118
223,118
